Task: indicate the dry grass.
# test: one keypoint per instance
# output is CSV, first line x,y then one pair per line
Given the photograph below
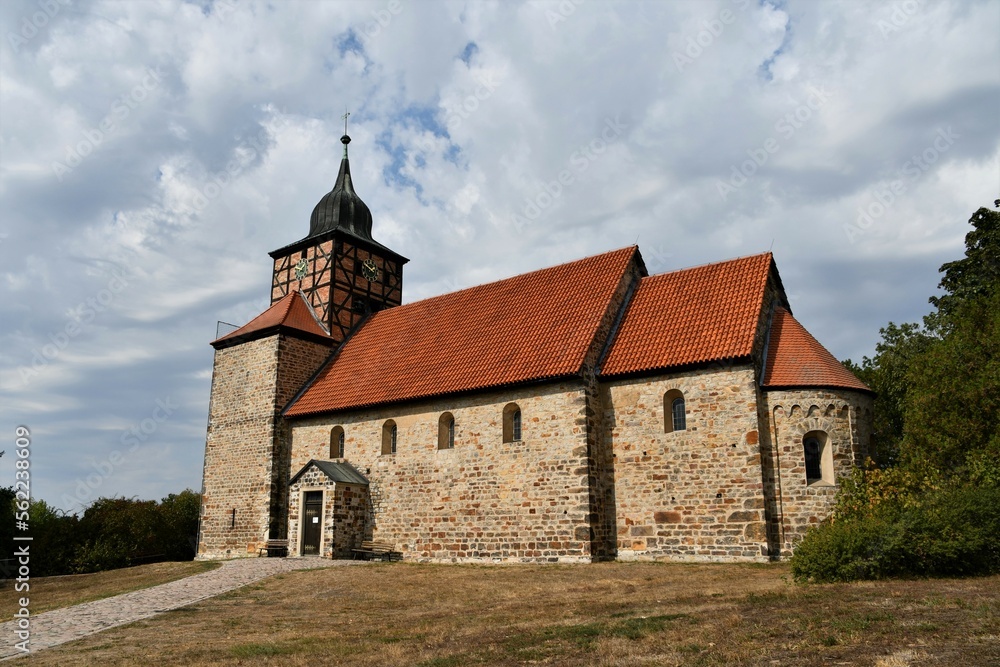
x,y
613,614
54,592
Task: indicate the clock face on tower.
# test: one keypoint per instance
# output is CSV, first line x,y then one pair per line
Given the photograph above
x,y
340,281
369,270
301,268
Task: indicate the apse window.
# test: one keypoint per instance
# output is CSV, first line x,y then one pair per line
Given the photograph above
x,y
389,437
674,412
446,431
818,458
337,442
511,423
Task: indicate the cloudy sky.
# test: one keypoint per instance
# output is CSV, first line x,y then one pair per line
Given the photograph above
x,y
153,152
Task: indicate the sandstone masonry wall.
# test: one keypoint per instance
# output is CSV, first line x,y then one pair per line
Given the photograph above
x,y
483,500
773,297
235,491
695,494
846,417
600,455
246,459
298,360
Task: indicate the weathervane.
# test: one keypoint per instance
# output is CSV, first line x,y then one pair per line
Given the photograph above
x,y
345,120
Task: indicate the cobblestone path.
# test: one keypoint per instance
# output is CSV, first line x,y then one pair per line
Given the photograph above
x,y
59,626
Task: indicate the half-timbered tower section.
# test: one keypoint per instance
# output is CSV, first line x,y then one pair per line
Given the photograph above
x,y
343,272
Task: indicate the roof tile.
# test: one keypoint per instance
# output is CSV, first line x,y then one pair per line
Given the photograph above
x,y
796,359
291,311
533,326
691,316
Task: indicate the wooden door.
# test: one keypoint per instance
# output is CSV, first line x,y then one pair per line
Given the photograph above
x,y
312,522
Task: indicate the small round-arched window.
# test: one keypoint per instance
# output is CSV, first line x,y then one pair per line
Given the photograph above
x,y
389,437
446,431
337,442
818,457
511,423
674,411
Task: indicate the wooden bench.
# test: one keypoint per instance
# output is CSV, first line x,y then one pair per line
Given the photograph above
x,y
372,550
274,548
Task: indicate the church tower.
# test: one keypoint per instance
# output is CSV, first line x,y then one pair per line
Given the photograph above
x,y
342,271
322,288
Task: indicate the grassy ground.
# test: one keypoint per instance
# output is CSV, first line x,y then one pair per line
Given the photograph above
x,y
604,614
54,592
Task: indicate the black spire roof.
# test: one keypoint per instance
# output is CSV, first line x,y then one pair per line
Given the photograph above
x,y
342,207
340,213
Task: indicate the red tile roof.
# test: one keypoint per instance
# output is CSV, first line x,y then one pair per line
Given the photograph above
x,y
796,359
290,312
691,316
534,326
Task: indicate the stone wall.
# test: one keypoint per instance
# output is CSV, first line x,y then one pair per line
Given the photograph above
x,y
246,459
237,450
298,360
345,511
846,417
694,494
599,451
483,500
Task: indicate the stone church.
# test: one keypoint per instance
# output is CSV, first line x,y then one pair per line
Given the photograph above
x,y
587,411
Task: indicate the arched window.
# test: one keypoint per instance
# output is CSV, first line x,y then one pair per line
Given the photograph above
x,y
389,437
337,442
511,423
446,431
818,457
674,413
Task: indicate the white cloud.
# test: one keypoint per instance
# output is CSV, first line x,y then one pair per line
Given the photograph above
x,y
463,114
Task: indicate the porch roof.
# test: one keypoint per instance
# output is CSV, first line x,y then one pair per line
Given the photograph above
x,y
338,471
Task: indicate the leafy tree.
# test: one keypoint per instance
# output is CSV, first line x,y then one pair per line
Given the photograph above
x,y
953,410
952,416
976,275
7,507
887,373
949,531
180,512
119,532
113,532
54,543
937,511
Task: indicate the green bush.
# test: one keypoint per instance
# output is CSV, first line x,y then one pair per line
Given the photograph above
x,y
119,532
953,531
54,536
180,512
111,533
859,548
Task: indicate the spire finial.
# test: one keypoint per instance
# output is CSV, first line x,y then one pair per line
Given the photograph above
x,y
345,139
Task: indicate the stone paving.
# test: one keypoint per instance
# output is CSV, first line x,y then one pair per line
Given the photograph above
x,y
59,626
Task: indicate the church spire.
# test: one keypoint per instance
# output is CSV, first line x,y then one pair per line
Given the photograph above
x,y
342,207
